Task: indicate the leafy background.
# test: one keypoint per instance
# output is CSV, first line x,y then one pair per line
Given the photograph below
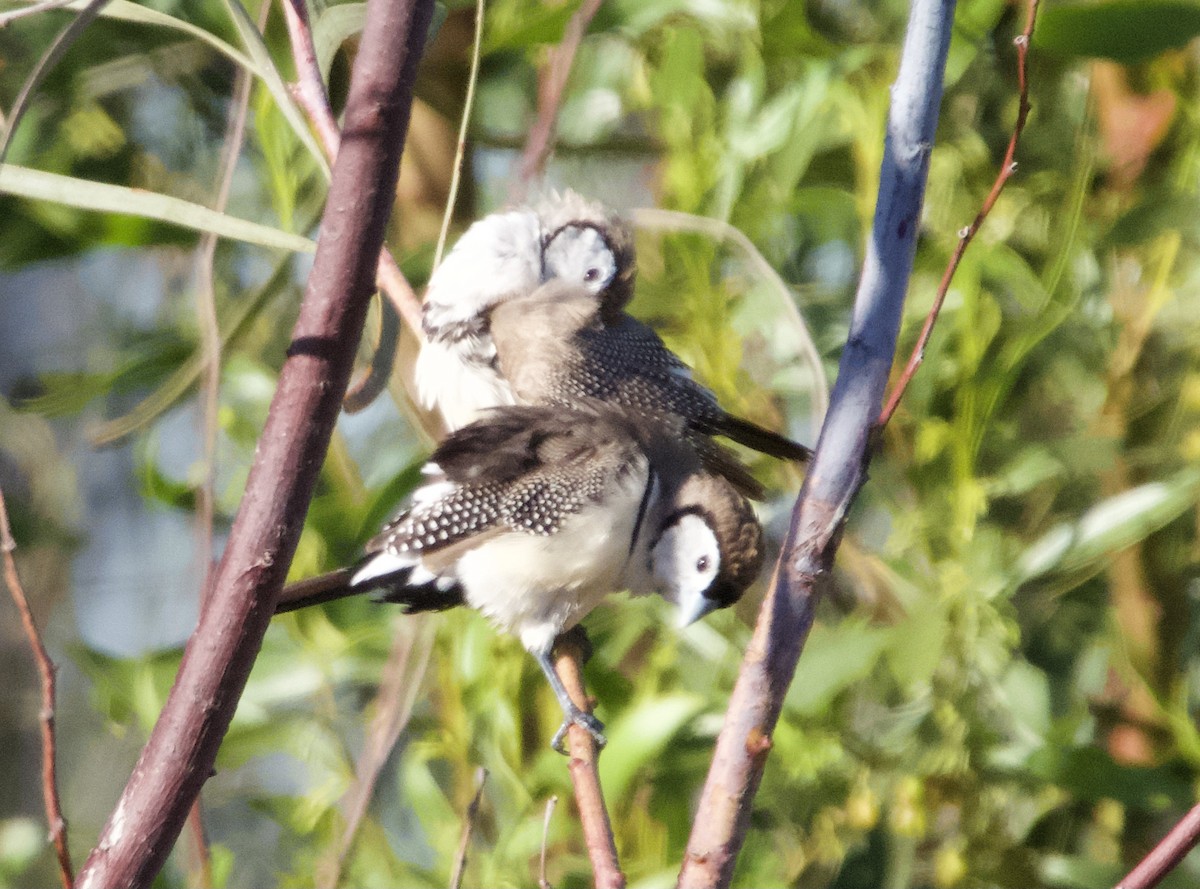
x,y
998,693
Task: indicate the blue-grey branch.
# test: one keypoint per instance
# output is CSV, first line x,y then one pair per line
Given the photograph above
x,y
839,463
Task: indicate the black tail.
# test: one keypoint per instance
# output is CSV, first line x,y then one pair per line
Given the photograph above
x,y
420,597
392,589
315,590
762,440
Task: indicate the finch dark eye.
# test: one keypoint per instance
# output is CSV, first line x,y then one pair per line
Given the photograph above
x,y
591,275
702,564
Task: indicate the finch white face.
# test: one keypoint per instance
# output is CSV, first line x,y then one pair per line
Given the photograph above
x,y
685,562
578,253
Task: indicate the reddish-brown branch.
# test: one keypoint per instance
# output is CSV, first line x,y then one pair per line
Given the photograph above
x,y
182,748
552,84
45,668
967,235
310,94
201,857
313,99
585,775
1167,854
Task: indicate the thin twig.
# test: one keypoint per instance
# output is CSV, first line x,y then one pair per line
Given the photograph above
x,y
399,686
55,51
1164,857
967,235
54,816
206,314
551,803
585,775
201,872
309,89
182,749
363,391
461,148
210,386
464,841
552,85
838,469
313,100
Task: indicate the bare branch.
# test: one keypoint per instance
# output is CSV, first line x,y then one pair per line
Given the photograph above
x,y
200,857
551,804
45,667
585,774
313,100
182,748
397,695
210,390
552,84
464,841
1164,857
206,315
839,462
967,235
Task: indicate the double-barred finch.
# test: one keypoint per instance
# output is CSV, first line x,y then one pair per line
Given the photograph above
x,y
500,257
532,515
504,338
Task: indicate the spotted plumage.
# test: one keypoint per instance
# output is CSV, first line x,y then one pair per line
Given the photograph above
x,y
535,513
592,348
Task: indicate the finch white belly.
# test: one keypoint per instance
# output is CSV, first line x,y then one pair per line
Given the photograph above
x,y
538,587
459,389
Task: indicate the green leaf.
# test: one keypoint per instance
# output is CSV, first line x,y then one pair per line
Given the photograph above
x,y
532,25
124,10
385,501
1160,210
973,24
1077,872
835,657
337,24
917,645
333,27
64,394
1005,269
105,198
1110,525
640,735
1090,773
1122,30
270,76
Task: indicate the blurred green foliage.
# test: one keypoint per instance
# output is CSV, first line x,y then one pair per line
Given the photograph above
x,y
997,693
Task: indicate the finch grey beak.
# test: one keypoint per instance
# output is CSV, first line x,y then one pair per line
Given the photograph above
x,y
690,612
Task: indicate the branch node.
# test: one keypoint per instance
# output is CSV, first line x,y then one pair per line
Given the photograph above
x,y
758,742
